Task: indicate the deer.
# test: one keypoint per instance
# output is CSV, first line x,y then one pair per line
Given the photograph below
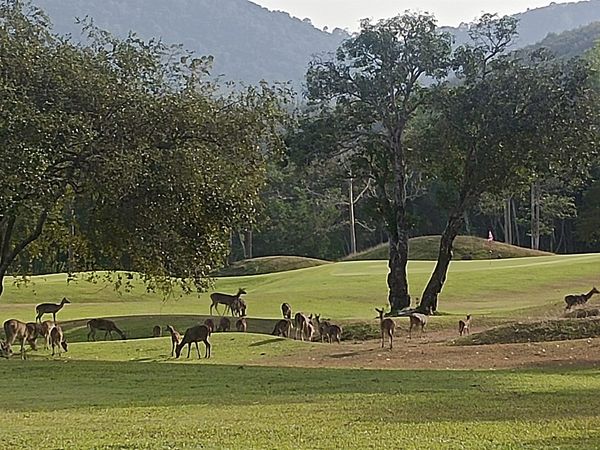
x,y
329,330
49,308
224,299
417,320
57,339
239,307
44,329
387,326
224,324
286,310
175,338
211,325
310,328
156,331
464,326
15,329
108,326
300,320
241,325
195,334
283,328
573,300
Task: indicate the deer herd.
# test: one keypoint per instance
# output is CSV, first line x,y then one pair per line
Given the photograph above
x,y
306,327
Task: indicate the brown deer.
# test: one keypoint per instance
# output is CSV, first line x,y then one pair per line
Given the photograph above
x,y
239,307
224,299
417,320
464,326
286,310
57,339
108,326
283,328
49,308
156,331
44,329
224,324
241,325
175,338
195,334
17,330
574,300
211,325
301,321
310,329
387,326
329,331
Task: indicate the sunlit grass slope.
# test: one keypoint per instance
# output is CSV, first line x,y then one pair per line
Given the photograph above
x,y
340,290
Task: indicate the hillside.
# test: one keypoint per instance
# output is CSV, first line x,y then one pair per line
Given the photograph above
x,y
269,264
425,248
571,43
251,43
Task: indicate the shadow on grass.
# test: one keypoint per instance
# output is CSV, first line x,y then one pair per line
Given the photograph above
x,y
266,342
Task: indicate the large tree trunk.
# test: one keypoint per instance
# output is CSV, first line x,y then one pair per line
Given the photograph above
x,y
397,278
438,277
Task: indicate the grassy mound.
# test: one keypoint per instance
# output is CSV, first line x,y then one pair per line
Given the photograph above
x,y
269,264
547,330
425,248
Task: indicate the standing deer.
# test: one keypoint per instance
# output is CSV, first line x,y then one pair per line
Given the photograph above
x,y
283,328
15,329
224,324
241,325
49,308
322,326
286,310
156,331
464,326
417,320
108,326
44,329
239,307
211,325
573,300
387,326
195,334
328,330
224,299
300,320
175,338
57,339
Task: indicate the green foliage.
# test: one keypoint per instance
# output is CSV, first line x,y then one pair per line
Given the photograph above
x,y
124,144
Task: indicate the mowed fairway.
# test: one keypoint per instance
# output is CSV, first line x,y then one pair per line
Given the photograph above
x,y
261,391
345,290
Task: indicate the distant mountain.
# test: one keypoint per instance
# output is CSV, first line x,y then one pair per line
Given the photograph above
x,y
571,43
249,42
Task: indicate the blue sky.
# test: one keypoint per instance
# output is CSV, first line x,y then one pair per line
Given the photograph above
x,y
347,13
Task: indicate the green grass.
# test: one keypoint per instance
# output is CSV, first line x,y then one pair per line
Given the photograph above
x,y
345,290
124,395
425,248
269,264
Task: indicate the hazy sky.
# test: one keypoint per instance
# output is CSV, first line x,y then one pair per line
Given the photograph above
x,y
347,13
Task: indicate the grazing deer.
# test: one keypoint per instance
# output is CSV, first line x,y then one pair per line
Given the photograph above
x,y
49,308
417,320
224,324
195,334
44,329
283,328
241,325
15,329
239,307
387,326
286,310
573,300
156,331
464,326
108,326
300,320
175,338
328,330
57,338
211,325
224,299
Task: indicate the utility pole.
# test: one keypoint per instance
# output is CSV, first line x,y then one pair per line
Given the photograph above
x,y
352,220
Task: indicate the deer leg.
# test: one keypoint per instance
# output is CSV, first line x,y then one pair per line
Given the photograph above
x,y
207,351
54,317
197,349
391,339
189,348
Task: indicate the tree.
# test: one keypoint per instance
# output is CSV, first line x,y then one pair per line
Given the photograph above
x,y
123,145
505,121
366,97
